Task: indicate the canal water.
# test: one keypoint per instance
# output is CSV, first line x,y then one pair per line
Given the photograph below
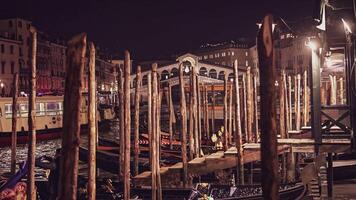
x,y
47,148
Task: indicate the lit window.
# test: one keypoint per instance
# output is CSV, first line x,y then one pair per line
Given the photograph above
x,y
246,63
223,54
211,56
246,53
205,57
228,53
232,53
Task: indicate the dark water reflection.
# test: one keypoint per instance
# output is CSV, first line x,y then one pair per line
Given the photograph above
x,y
47,147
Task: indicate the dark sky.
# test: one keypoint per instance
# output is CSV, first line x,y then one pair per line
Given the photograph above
x,y
153,29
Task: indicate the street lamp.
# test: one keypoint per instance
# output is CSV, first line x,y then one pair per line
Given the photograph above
x,y
315,64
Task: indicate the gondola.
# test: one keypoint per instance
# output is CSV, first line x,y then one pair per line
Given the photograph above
x,y
223,192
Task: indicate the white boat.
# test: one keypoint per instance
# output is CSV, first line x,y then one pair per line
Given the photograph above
x,y
49,118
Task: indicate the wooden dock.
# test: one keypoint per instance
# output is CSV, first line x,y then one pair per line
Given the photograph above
x,y
225,160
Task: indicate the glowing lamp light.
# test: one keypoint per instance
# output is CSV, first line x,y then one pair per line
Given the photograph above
x,y
312,45
1,85
186,69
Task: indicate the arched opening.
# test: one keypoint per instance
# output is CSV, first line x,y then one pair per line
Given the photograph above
x,y
231,77
174,72
203,71
212,73
164,75
221,75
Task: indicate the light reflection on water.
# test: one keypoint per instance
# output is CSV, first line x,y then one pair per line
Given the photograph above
x,y
44,148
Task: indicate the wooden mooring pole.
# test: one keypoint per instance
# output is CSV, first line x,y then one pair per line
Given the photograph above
x,y
137,120
171,116
288,128
282,109
149,116
15,92
269,155
245,106
226,134
206,110
122,124
127,125
92,126
198,115
71,117
31,190
213,109
238,140
297,104
183,127
305,98
255,96
191,116
249,96
230,113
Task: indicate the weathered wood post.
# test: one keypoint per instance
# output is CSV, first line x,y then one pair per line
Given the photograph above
x,y
245,106
149,116
286,92
269,156
191,115
183,127
198,112
298,116
31,191
282,122
155,138
226,134
15,94
127,125
305,98
230,113
137,120
194,91
249,105
171,115
92,125
158,141
71,117
290,112
238,139
341,91
257,136
332,90
213,109
206,111
295,94
154,132
122,123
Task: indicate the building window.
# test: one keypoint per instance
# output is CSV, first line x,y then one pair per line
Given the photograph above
x,y
211,56
232,53
3,67
246,53
11,49
223,54
205,57
12,67
10,23
246,63
2,48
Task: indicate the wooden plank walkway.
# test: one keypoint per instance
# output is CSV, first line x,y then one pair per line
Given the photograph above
x,y
204,165
224,160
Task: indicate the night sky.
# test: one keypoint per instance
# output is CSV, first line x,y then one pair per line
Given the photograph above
x,y
153,29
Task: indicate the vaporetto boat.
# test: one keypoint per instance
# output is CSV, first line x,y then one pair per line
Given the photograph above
x,y
49,118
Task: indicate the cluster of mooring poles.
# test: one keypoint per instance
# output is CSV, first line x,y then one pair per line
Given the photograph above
x,y
245,119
